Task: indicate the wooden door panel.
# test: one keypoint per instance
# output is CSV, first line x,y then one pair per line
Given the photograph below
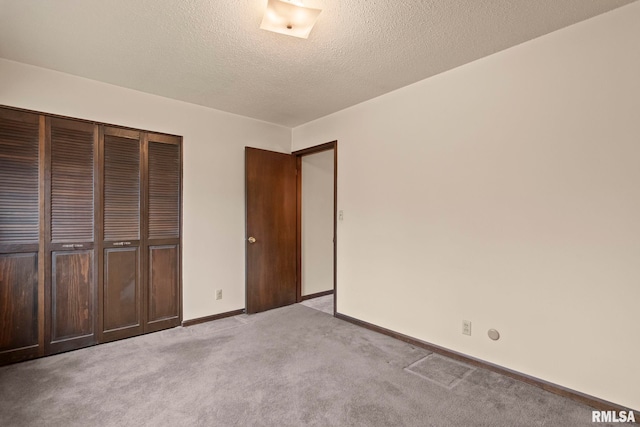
x,y
271,220
162,233
72,293
122,291
20,286
163,283
18,301
71,285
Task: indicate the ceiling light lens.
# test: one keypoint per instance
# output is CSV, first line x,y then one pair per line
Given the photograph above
x,y
287,17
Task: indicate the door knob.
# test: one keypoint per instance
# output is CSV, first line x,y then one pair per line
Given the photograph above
x,y
252,239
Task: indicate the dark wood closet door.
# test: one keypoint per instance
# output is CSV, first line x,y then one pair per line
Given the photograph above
x,y
163,229
121,277
21,319
90,233
71,279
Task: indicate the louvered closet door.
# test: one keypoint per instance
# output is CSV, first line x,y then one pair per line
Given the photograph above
x,y
163,228
121,279
19,236
71,284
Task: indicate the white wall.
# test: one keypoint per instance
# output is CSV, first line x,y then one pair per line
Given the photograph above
x,y
505,192
317,222
213,253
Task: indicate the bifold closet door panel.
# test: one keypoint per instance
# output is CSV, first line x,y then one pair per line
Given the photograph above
x,y
122,274
21,290
71,280
163,232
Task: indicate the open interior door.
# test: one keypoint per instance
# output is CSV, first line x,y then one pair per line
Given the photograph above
x,y
270,181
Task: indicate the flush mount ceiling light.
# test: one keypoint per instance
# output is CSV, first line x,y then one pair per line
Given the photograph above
x,y
289,17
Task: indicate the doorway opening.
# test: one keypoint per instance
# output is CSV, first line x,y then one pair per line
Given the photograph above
x,y
316,222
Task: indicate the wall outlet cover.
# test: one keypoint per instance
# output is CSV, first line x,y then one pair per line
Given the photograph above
x,y
466,327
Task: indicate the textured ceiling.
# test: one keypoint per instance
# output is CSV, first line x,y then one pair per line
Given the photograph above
x,y
212,52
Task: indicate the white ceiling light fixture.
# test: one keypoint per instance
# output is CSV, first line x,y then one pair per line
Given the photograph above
x,y
289,17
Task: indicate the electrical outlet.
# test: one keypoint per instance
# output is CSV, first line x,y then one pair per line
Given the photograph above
x,y
340,215
466,327
219,294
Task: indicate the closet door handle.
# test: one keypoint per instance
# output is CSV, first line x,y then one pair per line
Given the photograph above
x,y
121,243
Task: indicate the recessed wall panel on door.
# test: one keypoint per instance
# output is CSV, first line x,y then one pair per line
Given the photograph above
x,y
73,293
18,305
121,293
122,298
163,283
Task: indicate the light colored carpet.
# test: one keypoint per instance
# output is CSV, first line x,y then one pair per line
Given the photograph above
x,y
292,366
324,304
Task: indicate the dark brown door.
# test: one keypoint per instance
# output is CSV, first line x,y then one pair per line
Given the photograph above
x,y
71,280
163,225
19,236
271,229
121,273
